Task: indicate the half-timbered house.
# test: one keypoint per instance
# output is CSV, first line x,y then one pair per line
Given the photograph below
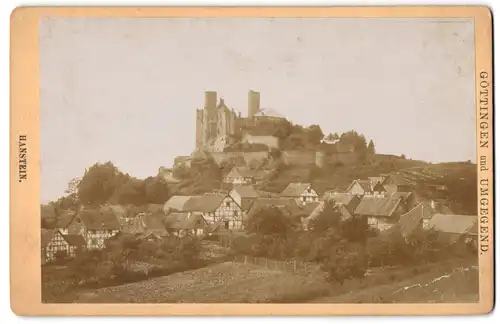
x,y
244,196
242,176
95,225
215,208
381,213
55,244
304,192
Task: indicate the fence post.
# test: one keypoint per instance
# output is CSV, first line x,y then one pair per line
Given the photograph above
x,y
266,264
245,259
294,265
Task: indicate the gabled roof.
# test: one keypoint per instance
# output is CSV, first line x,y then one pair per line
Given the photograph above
x,y
244,172
75,240
289,203
46,235
377,206
246,191
344,198
268,112
310,207
344,213
181,221
295,189
375,180
94,219
364,184
65,219
176,203
454,224
267,194
411,220
205,204
153,221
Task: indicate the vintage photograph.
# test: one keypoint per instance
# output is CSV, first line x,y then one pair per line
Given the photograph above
x,y
258,160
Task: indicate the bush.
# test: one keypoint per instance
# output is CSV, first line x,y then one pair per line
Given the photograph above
x,y
346,261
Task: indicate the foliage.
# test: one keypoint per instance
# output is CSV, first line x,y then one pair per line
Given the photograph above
x,y
371,147
122,251
346,261
352,138
327,218
268,220
99,183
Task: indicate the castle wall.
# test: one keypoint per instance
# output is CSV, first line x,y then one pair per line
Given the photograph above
x,y
347,158
299,157
219,157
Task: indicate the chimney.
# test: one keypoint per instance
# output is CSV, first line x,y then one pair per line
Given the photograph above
x,y
253,103
210,100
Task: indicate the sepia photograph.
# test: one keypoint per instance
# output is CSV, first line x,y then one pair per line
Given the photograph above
x,y
260,160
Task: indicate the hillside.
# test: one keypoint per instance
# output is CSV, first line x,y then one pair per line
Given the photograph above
x,y
453,183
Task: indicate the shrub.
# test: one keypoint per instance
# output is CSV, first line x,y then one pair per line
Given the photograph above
x,y
346,261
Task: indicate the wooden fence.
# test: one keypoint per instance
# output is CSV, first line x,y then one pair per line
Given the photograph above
x,y
293,266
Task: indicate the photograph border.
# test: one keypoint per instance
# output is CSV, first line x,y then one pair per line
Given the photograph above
x,y
25,252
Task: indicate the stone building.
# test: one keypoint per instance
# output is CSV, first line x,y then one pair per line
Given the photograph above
x,y
217,124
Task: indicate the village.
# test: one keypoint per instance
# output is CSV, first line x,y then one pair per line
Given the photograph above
x,y
240,204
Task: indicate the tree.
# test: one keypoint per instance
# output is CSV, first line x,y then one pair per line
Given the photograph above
x,y
130,192
327,218
268,220
346,261
314,134
156,190
371,147
99,183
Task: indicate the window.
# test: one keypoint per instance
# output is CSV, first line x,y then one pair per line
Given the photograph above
x,y
235,213
226,224
308,190
303,198
228,203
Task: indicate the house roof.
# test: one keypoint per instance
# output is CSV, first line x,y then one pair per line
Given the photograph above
x,y
410,221
344,213
176,203
344,198
375,180
99,219
310,207
65,219
268,112
182,221
75,240
377,206
454,224
267,194
206,204
289,203
246,191
244,172
295,189
364,184
45,236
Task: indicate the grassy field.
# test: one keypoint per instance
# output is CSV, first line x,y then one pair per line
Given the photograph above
x,y
223,283
445,282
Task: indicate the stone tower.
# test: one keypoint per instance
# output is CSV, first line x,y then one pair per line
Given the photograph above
x,y
253,103
199,128
209,117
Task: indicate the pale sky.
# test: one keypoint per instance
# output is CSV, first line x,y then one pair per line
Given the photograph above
x,y
126,90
